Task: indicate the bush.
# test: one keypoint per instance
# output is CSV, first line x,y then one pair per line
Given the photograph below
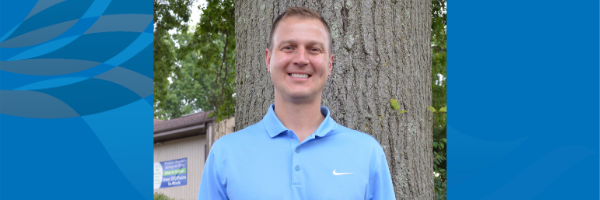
x,y
160,196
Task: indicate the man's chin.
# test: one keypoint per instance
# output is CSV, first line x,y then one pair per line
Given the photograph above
x,y
300,97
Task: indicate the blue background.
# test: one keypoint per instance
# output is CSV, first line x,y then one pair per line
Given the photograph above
x,y
76,110
523,100
522,90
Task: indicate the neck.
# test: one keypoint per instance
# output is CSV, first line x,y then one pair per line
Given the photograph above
x,y
302,118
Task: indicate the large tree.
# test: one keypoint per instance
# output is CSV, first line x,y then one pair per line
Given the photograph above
x,y
382,54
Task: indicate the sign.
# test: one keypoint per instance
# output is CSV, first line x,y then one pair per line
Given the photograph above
x,y
170,173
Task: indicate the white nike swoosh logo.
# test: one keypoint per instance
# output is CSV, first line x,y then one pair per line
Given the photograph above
x,y
335,173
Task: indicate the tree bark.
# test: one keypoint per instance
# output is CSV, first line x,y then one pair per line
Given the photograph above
x,y
382,51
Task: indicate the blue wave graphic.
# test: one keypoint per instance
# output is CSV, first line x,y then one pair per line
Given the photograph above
x,y
76,81
96,9
12,14
52,83
66,145
59,13
44,48
123,135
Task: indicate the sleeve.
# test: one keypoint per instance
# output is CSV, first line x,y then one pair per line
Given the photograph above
x,y
211,186
380,181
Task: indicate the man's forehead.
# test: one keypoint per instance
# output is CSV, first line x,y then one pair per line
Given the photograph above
x,y
293,22
300,20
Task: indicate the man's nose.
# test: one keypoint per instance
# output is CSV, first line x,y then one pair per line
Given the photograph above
x,y
300,58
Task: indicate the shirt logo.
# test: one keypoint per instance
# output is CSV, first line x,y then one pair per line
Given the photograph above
x,y
337,174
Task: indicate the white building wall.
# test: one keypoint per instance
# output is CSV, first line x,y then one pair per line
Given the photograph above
x,y
224,127
191,148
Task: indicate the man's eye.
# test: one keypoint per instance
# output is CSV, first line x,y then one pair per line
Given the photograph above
x,y
316,49
287,48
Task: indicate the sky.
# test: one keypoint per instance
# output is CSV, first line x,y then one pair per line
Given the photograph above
x,y
195,15
196,12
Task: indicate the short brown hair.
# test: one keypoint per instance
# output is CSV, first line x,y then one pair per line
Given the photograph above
x,y
303,13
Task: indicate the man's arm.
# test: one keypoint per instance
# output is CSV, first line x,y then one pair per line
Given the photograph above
x,y
380,182
211,186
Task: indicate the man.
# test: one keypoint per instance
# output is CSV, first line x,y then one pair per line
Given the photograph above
x,y
297,151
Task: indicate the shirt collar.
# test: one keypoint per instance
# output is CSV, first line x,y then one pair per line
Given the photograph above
x,y
274,127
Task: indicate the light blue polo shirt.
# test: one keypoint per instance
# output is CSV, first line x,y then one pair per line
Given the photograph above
x,y
266,161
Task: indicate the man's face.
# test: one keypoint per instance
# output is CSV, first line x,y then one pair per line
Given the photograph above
x,y
299,60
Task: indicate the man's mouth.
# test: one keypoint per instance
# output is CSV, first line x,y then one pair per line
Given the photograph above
x,y
299,75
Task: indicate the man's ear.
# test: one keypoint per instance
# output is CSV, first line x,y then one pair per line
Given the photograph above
x,y
330,64
268,60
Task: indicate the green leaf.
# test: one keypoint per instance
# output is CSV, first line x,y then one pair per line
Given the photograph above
x,y
443,109
394,103
402,111
430,108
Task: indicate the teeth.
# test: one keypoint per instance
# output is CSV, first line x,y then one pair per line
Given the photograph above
x,y
300,75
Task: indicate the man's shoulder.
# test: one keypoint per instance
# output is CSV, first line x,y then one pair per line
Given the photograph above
x,y
357,138
240,137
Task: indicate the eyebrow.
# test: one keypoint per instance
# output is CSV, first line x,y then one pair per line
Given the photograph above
x,y
309,43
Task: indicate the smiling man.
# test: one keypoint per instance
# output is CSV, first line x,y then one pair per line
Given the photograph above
x,y
297,151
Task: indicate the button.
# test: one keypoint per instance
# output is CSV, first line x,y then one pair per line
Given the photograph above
x,y
297,150
297,168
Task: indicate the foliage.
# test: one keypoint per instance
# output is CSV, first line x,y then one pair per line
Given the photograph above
x,y
204,78
438,41
217,23
190,87
168,15
394,103
432,109
161,196
442,109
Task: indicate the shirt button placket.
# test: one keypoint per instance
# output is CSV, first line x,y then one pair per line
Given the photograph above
x,y
296,177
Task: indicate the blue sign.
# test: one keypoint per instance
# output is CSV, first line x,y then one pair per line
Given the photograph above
x,y
170,173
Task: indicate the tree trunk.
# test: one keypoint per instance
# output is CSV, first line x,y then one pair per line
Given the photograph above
x,y
382,52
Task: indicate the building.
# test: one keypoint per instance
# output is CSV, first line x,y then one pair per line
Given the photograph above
x,y
181,146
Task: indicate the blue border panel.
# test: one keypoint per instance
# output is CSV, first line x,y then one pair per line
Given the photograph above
x,y
523,93
76,99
